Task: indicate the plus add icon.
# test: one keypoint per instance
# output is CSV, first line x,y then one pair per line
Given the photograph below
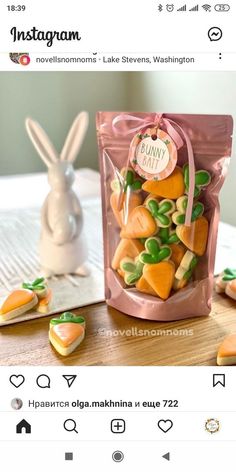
x,y
118,426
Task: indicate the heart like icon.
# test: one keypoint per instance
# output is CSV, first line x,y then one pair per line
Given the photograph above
x,y
165,425
17,380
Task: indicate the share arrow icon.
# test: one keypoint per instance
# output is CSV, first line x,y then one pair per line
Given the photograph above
x,y
70,379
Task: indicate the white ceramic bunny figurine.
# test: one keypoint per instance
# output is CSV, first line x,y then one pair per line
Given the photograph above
x,y
62,248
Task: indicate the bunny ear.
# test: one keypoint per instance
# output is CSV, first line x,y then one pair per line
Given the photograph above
x,y
41,142
75,137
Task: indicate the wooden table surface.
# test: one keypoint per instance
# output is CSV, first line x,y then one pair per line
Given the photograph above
x,y
27,343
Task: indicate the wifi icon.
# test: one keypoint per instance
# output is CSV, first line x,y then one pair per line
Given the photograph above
x,y
206,7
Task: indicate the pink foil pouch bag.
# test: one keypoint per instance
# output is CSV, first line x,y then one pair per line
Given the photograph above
x,y
160,176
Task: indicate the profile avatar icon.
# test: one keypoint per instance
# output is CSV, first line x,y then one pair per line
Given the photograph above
x,y
16,403
21,58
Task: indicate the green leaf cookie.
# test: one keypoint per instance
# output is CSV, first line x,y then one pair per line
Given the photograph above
x,y
155,252
202,180
178,217
67,317
168,236
126,178
188,274
185,269
229,274
161,211
37,284
132,269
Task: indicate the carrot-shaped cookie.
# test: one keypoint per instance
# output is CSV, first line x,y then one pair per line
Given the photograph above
x,y
66,333
19,301
140,224
143,286
227,351
160,277
38,286
226,282
172,187
132,270
177,253
223,279
44,305
126,194
195,235
126,248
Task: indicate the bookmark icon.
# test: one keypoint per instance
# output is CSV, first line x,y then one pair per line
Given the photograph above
x,y
70,379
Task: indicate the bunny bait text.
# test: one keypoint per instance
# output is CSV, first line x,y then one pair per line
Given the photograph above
x,y
37,35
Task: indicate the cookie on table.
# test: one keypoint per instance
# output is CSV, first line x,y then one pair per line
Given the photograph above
x,y
66,333
225,283
230,289
227,351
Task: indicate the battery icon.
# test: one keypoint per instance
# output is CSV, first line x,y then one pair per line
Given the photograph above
x,y
220,7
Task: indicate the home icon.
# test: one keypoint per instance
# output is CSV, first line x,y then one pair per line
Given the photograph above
x,y
23,427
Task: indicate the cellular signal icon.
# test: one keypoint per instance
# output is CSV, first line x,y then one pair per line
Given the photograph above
x,y
183,8
206,7
196,8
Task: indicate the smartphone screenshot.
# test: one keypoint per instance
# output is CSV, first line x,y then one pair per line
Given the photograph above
x,y
117,235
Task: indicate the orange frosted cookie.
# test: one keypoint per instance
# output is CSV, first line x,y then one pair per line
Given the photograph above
x,y
127,203
140,224
231,289
143,286
126,194
66,333
18,302
177,253
227,351
171,187
195,235
160,277
126,248
44,304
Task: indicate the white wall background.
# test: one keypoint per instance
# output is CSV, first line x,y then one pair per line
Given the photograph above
x,y
55,98
191,92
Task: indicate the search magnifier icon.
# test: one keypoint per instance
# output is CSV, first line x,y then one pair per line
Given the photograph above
x,y
70,425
